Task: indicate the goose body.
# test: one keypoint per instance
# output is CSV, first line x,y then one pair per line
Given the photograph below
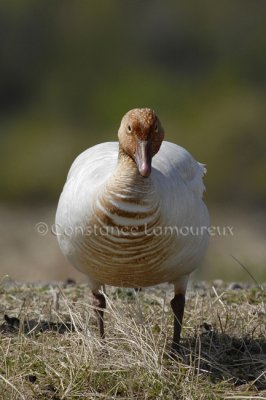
x,y
129,231
123,222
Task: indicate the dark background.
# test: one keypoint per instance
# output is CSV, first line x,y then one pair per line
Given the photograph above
x,y
69,70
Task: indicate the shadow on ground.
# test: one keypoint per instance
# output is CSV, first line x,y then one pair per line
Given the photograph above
x,y
14,325
221,356
224,357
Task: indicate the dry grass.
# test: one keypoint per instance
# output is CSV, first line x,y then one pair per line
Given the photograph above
x,y
50,348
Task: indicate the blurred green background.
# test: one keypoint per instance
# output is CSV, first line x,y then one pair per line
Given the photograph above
x,y
69,70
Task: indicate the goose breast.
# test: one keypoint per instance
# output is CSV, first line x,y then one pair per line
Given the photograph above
x,y
125,230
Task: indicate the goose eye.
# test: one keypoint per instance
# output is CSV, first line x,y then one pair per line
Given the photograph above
x,y
156,128
129,129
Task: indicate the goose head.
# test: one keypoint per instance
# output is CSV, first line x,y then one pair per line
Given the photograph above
x,y
140,137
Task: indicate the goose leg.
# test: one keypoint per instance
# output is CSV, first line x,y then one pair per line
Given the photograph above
x,y
100,305
178,305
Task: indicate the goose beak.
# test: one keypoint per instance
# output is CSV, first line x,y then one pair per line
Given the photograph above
x,y
143,157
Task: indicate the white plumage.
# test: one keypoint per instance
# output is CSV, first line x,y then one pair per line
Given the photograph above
x,y
177,187
124,229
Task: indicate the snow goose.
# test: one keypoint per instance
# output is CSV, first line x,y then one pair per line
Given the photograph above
x,y
131,213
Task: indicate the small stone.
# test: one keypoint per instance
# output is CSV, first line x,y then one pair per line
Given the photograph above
x,y
69,282
32,378
12,321
235,286
206,327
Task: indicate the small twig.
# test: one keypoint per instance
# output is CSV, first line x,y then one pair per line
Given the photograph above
x,y
257,379
220,322
218,298
247,271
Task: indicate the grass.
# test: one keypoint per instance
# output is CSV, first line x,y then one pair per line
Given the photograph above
x,y
50,347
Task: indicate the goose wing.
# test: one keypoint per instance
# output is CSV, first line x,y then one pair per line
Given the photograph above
x,y
178,180
176,163
96,163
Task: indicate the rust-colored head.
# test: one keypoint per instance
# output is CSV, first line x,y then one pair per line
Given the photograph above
x,y
140,136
